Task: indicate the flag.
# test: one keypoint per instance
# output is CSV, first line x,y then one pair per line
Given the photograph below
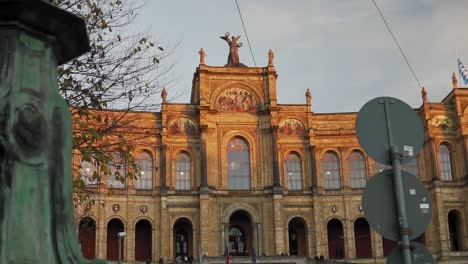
x,y
463,71
254,256
200,260
226,253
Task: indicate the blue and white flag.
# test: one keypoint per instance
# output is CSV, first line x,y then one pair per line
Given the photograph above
x,y
463,71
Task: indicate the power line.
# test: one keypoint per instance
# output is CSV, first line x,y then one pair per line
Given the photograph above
x,y
245,31
393,36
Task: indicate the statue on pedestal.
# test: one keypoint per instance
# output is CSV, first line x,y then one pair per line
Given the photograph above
x,y
233,57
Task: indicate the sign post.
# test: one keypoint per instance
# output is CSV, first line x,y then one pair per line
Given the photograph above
x,y
391,133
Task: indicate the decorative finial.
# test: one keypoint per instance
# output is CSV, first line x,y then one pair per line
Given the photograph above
x,y
454,81
271,57
308,97
424,95
233,58
202,56
164,95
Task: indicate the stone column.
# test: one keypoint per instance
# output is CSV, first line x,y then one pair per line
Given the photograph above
x,y
255,238
163,162
203,162
260,235
434,161
278,223
276,180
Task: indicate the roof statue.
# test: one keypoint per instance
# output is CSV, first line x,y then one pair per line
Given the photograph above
x,y
424,95
202,56
164,95
271,57
308,97
454,81
233,57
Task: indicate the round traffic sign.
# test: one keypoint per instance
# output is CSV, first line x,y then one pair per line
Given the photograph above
x,y
380,208
405,127
419,255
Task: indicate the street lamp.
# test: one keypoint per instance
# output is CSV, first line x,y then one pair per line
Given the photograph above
x,y
120,236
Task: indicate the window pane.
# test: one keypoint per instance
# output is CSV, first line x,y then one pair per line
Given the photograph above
x,y
445,164
182,172
293,172
145,176
88,169
116,178
357,170
331,171
238,165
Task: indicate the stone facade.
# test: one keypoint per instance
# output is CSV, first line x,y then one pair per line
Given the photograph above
x,y
278,209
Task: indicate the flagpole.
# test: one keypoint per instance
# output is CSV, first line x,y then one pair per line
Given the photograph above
x,y
458,67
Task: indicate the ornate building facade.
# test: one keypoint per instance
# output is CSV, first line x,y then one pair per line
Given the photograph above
x,y
234,167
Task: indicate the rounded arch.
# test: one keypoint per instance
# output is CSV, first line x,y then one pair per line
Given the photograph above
x,y
183,218
116,217
291,126
352,150
249,209
294,152
301,218
138,219
182,126
329,150
250,87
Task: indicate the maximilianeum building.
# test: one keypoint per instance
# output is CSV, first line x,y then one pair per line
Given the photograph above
x,y
234,168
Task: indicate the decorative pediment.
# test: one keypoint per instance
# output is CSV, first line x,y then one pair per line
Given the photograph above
x,y
441,121
236,100
182,127
291,127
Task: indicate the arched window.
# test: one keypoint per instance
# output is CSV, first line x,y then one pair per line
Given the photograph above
x,y
357,170
144,179
182,172
445,163
331,171
293,172
238,158
88,171
116,178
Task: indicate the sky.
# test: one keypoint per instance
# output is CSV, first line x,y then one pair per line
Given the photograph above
x,y
340,49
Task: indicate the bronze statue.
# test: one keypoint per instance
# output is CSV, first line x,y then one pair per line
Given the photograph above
x,y
233,57
424,95
271,57
36,207
308,97
454,81
202,56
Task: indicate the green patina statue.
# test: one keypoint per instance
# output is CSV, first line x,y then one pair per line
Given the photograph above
x,y
36,210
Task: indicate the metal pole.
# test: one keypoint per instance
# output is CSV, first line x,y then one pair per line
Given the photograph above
x,y
399,193
120,249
